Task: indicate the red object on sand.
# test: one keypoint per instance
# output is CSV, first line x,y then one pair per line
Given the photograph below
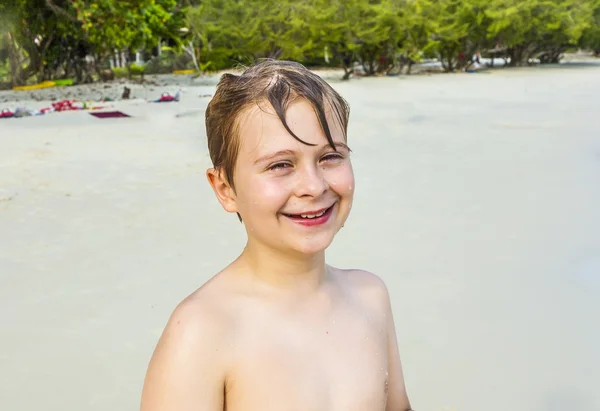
x,y
6,114
65,105
167,98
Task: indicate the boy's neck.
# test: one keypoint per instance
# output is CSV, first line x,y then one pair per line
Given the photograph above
x,y
298,273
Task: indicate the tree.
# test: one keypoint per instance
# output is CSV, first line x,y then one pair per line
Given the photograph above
x,y
458,29
112,26
415,31
537,27
375,30
30,29
590,38
358,30
226,32
49,38
331,28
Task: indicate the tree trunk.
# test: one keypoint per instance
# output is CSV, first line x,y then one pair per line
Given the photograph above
x,y
443,60
517,56
191,51
346,58
14,62
551,57
447,59
367,60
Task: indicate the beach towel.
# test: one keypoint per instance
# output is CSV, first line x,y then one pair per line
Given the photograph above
x,y
6,113
110,114
72,105
24,112
67,105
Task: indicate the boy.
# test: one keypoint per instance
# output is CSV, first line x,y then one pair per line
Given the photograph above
x,y
278,329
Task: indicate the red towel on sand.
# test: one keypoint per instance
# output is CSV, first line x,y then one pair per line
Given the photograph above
x,y
6,114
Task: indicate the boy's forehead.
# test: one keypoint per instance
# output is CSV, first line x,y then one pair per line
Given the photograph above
x,y
261,129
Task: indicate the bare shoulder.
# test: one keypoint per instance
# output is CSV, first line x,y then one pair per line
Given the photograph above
x,y
202,319
374,294
200,315
189,365
369,287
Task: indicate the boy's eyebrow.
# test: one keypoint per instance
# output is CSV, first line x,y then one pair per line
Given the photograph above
x,y
273,155
341,145
292,152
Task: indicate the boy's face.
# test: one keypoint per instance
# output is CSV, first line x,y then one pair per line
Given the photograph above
x,y
291,196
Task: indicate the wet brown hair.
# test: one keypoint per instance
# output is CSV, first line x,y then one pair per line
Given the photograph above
x,y
277,83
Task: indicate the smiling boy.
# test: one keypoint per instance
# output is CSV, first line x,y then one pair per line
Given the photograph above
x,y
279,329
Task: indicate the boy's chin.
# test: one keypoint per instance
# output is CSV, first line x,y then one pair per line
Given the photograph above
x,y
311,246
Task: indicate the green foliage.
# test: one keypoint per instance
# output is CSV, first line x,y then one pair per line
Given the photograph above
x,y
4,71
128,72
355,30
228,32
120,72
52,38
590,38
137,70
532,27
375,32
127,24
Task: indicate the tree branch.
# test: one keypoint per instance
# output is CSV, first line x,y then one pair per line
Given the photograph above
x,y
60,11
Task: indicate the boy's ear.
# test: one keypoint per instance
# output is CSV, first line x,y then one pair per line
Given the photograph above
x,y
222,189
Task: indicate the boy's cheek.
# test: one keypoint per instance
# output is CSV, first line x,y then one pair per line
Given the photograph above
x,y
342,181
266,195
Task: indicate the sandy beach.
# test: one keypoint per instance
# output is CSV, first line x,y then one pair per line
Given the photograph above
x,y
477,201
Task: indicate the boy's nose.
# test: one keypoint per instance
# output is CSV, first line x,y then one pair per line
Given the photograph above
x,y
311,182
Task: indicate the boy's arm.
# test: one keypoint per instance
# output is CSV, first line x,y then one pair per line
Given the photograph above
x,y
397,396
186,371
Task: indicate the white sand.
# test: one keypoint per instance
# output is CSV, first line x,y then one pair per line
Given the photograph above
x,y
478,201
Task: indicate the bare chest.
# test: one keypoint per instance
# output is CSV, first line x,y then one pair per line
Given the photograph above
x,y
326,366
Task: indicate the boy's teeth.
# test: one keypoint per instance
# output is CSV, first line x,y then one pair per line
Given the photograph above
x,y
312,215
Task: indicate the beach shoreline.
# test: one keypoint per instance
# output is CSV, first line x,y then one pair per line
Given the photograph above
x,y
154,86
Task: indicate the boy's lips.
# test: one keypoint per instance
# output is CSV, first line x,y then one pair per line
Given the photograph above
x,y
311,218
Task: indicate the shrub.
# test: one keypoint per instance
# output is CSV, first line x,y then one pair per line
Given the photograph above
x,y
120,72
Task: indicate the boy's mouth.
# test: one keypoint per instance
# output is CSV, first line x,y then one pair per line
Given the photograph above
x,y
312,217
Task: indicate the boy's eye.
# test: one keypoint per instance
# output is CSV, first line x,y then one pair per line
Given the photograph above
x,y
332,156
279,166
